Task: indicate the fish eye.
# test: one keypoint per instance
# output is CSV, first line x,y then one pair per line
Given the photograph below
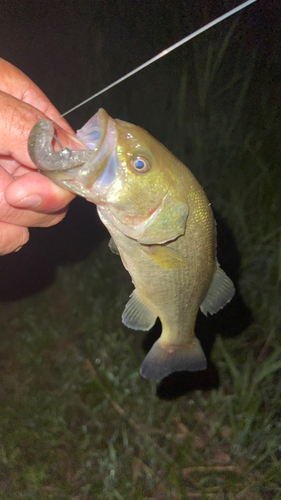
x,y
140,164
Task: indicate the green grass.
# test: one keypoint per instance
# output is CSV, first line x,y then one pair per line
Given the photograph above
x,y
77,422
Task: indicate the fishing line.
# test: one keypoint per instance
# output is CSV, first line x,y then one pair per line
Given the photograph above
x,y
163,53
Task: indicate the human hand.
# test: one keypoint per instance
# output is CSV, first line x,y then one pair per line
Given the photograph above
x,y
27,198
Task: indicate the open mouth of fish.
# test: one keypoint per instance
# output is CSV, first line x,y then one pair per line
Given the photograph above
x,y
78,170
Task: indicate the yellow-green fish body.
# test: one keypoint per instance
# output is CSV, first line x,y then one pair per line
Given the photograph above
x,y
161,224
170,282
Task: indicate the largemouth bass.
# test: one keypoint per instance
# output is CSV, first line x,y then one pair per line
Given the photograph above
x,y
161,224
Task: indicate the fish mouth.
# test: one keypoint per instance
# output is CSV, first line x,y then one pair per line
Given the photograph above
x,y
88,172
93,133
99,135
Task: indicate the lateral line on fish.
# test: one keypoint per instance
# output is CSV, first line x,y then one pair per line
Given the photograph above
x,y
162,54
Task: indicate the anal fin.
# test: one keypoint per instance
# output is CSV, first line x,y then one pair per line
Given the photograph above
x,y
164,359
219,294
136,314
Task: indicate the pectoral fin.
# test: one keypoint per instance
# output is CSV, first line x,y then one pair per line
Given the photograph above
x,y
164,359
136,314
164,256
220,292
113,246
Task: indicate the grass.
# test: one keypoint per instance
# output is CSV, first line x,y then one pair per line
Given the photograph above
x,y
77,420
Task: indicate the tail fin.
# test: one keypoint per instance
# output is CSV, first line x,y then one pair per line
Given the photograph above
x,y
164,359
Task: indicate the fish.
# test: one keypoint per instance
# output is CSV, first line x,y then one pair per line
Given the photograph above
x,y
161,224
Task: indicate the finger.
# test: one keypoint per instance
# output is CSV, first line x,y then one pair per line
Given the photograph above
x,y
37,192
12,238
56,198
15,82
9,164
16,121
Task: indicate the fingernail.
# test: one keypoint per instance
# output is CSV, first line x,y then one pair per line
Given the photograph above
x,y
31,201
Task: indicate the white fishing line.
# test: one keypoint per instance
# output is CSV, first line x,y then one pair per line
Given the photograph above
x,y
164,53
